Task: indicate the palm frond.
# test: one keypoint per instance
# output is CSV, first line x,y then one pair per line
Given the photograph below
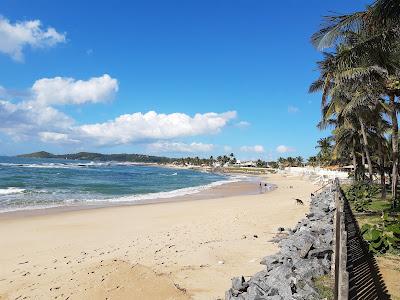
x,y
334,28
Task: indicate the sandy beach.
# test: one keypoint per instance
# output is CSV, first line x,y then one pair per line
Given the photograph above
x,y
174,250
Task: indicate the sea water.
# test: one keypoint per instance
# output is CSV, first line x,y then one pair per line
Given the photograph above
x,y
27,183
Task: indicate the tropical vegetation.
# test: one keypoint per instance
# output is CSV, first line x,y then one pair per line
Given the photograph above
x,y
360,85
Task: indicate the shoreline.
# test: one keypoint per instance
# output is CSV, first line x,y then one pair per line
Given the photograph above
x,y
245,185
190,248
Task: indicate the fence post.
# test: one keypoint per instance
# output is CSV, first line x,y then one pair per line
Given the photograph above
x,y
341,289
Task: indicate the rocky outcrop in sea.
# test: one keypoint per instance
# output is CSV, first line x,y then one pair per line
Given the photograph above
x,y
305,254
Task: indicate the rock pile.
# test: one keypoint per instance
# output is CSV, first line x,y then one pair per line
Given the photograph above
x,y
305,253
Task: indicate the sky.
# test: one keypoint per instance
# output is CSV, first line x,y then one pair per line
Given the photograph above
x,y
172,78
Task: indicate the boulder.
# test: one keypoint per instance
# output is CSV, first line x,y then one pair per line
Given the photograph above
x,y
239,284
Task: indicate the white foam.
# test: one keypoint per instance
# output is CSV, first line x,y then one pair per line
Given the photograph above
x,y
173,174
170,194
31,207
57,165
125,199
11,190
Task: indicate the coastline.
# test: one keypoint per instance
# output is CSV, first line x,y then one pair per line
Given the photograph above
x,y
248,185
190,248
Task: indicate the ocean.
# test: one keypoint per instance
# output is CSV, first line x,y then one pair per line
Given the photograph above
x,y
27,183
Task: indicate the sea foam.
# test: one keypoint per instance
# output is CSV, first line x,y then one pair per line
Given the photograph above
x,y
11,190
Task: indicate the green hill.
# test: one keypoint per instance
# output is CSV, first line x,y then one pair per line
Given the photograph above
x,y
101,157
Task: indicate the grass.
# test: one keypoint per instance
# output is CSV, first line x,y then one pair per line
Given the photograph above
x,y
373,220
379,204
324,285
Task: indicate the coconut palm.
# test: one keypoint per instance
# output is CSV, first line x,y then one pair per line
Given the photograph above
x,y
369,42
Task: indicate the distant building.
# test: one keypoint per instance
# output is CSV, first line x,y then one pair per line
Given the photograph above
x,y
246,164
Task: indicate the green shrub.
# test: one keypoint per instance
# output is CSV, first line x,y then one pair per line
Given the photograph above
x,y
361,194
384,236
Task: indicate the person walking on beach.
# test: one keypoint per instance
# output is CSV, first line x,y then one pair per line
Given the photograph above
x,y
261,189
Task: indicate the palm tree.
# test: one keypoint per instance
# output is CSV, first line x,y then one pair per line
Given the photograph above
x,y
370,41
312,161
299,160
325,146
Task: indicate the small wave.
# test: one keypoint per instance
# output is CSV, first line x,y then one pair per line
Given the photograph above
x,y
57,165
170,194
25,208
11,190
173,174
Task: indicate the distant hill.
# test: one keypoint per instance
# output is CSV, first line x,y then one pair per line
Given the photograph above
x,y
102,157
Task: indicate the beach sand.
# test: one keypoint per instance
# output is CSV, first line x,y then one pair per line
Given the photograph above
x,y
176,250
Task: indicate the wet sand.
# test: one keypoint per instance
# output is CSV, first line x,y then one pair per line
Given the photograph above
x,y
186,249
247,186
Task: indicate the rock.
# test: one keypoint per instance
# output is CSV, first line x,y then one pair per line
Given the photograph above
x,y
270,261
239,284
305,253
306,248
320,252
254,292
309,268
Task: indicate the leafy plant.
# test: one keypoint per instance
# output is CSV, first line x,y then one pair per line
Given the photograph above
x,y
361,195
362,204
384,236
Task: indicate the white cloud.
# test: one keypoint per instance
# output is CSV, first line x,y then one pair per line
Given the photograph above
x,y
24,120
284,149
242,124
37,118
3,92
293,109
15,37
180,147
134,127
29,120
227,148
55,137
62,90
256,149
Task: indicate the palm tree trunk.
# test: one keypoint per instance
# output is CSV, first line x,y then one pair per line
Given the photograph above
x,y
395,145
365,143
382,169
353,154
362,162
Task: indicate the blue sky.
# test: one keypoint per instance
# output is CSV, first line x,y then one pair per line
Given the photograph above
x,y
65,82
